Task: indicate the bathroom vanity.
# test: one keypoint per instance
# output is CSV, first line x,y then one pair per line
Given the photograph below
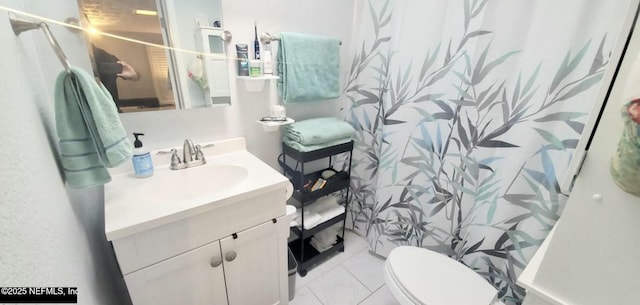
x,y
213,234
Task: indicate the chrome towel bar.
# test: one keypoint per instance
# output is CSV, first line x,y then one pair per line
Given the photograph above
x,y
267,38
21,25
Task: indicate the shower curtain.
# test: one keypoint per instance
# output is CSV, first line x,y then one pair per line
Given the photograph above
x,y
467,113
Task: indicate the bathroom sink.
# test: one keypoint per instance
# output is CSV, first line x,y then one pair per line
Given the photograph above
x,y
218,176
230,175
196,181
178,187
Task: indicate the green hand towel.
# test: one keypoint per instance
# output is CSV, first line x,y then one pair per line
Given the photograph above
x,y
307,148
308,67
319,131
90,132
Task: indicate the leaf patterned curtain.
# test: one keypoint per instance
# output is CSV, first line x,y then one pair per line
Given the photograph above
x,y
468,112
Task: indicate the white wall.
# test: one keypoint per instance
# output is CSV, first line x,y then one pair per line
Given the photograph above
x,y
48,236
593,257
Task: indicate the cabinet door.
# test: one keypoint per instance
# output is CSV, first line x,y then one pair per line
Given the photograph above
x,y
192,278
255,265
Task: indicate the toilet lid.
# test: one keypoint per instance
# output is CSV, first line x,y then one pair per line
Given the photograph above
x,y
431,278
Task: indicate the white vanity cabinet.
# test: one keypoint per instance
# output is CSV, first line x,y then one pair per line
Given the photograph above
x,y
243,269
195,277
252,267
209,235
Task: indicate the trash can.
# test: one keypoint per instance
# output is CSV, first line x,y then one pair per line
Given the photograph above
x,y
293,266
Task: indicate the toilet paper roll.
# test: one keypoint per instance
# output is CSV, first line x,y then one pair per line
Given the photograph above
x,y
278,111
288,191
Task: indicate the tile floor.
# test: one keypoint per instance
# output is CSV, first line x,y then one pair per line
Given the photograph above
x,y
348,278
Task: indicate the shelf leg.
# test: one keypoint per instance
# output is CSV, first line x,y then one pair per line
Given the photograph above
x,y
302,217
284,161
346,202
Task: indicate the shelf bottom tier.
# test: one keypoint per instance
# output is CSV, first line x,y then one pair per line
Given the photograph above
x,y
311,256
310,232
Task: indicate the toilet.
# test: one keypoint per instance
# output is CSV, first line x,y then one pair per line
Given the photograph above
x,y
424,277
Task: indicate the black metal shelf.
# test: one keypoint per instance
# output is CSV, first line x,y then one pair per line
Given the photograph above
x,y
306,255
311,256
310,232
332,186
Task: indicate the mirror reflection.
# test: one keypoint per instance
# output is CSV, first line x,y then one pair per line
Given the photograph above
x,y
141,77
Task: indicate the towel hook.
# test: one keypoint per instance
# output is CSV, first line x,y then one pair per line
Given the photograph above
x,y
267,38
20,25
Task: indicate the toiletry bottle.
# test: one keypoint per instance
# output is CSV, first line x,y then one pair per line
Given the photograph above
x,y
242,52
267,66
255,68
142,163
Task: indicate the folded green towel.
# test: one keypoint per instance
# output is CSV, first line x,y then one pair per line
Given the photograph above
x,y
91,134
318,131
307,148
308,67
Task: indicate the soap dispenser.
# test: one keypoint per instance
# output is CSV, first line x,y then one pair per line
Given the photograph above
x,y
142,163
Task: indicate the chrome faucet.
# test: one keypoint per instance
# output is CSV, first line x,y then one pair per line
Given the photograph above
x,y
191,156
188,151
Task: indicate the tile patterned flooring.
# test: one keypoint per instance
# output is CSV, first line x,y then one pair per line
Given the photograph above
x,y
349,278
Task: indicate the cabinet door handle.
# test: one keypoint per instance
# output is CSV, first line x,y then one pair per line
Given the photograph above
x,y
215,262
230,256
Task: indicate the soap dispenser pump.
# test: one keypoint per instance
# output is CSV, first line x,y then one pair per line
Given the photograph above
x,y
142,163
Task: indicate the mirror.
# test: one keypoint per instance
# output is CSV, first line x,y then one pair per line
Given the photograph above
x,y
147,78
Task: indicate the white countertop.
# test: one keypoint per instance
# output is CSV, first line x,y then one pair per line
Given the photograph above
x,y
135,204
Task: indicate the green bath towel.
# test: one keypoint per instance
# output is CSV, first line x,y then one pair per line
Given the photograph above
x,y
90,132
318,131
308,67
